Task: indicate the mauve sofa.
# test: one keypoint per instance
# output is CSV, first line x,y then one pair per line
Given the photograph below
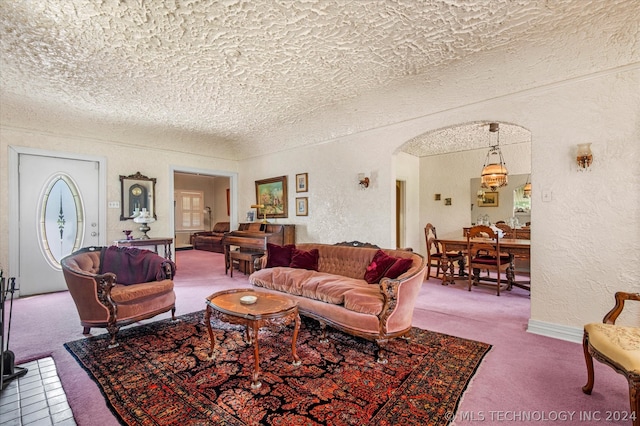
x,y
338,295
210,240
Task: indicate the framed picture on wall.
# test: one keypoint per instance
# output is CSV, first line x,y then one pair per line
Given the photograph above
x,y
490,199
271,195
302,206
302,184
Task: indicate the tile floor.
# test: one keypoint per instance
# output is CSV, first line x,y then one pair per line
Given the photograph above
x,y
35,399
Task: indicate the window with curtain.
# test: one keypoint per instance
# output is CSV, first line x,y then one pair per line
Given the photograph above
x,y
189,210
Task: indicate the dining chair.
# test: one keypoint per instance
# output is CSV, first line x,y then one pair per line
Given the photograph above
x,y
439,258
508,232
483,250
618,347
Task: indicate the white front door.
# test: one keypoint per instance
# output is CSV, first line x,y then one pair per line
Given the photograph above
x,y
58,214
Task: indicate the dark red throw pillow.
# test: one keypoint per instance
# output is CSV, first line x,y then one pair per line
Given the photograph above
x,y
379,265
302,259
400,266
279,255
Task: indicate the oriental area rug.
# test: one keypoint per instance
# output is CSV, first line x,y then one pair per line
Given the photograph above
x,y
160,374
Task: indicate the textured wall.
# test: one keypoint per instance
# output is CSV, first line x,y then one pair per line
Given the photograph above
x,y
121,160
580,237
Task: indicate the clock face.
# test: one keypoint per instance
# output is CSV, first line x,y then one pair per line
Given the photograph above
x,y
136,191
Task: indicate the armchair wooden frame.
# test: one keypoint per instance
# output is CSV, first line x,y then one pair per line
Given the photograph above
x,y
633,377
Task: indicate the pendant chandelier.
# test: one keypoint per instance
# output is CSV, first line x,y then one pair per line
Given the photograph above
x,y
494,173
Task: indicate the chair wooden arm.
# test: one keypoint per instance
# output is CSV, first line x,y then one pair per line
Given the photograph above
x,y
612,315
168,272
105,283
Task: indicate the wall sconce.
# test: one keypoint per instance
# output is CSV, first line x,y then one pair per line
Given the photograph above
x,y
480,195
584,157
363,181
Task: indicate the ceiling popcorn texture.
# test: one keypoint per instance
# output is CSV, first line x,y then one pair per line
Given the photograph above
x,y
251,77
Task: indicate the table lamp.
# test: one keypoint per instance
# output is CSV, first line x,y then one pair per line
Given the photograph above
x,y
264,212
144,218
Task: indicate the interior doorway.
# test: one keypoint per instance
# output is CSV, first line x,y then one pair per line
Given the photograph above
x,y
201,199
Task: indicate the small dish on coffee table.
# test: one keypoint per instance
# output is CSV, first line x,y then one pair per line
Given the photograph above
x,y
248,300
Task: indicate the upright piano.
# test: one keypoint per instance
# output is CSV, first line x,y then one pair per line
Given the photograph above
x,y
253,237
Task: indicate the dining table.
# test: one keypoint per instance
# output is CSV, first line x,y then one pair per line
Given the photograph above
x,y
515,247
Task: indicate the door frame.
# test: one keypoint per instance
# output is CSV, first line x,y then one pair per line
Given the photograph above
x,y
13,182
233,192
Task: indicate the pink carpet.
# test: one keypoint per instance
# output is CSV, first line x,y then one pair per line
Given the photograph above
x,y
524,376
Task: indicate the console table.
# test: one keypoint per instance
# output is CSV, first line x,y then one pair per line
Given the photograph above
x,y
155,242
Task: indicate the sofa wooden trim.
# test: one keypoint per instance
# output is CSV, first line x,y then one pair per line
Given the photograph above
x,y
395,292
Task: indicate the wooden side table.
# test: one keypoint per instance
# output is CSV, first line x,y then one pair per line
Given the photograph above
x,y
268,310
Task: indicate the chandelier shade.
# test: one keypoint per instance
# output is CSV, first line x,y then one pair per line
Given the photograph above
x,y
494,173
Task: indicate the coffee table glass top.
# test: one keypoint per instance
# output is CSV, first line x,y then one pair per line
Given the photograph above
x,y
266,303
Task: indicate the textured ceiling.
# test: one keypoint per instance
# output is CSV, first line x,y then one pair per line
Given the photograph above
x,y
241,73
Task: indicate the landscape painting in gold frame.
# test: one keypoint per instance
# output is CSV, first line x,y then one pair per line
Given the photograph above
x,y
490,199
272,194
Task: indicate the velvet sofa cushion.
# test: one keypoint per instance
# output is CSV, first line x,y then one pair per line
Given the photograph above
x,y
399,267
304,259
353,262
279,255
122,294
354,294
379,265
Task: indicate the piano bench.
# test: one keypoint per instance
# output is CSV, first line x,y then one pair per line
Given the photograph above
x,y
244,259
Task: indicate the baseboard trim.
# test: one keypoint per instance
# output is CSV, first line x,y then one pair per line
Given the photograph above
x,y
556,331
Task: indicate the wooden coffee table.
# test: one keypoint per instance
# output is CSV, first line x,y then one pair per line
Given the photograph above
x,y
268,310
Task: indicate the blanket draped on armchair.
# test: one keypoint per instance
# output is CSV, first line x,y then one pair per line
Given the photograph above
x,y
133,265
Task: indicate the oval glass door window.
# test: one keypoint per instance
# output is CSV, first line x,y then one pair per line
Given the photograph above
x,y
61,219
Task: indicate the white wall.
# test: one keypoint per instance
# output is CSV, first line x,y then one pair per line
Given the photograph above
x,y
121,160
338,209
585,242
579,237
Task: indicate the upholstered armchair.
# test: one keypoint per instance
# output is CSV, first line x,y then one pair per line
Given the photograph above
x,y
618,347
116,286
211,240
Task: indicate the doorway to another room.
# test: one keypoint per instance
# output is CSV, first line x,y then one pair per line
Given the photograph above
x,y
200,201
